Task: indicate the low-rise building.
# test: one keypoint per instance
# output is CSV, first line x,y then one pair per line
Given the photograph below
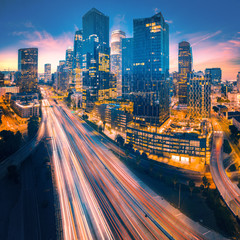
x,y
26,109
236,122
25,105
183,146
11,89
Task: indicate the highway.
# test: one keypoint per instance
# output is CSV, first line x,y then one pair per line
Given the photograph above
x,y
228,190
99,197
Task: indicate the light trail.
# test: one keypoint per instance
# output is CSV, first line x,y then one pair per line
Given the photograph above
x,y
228,190
99,197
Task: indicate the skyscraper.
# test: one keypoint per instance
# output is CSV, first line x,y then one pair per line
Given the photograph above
x,y
184,68
69,58
28,66
150,52
47,73
96,54
238,81
199,96
151,64
62,82
127,67
78,44
215,75
1,79
96,23
116,57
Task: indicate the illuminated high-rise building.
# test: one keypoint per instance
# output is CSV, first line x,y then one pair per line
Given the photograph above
x,y
78,44
199,98
127,67
62,80
150,52
184,68
151,66
215,75
96,23
69,58
28,66
96,54
47,73
1,79
238,81
116,57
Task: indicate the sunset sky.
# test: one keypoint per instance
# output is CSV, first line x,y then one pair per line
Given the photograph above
x,y
211,26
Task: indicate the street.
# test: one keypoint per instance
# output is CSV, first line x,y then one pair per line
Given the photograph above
x,y
99,197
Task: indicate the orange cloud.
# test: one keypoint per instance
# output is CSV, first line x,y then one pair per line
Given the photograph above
x,y
50,49
208,53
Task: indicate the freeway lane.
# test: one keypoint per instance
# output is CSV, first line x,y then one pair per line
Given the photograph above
x,y
99,197
228,190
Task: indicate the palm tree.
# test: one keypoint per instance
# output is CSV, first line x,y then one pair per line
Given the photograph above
x,y
205,182
175,181
191,185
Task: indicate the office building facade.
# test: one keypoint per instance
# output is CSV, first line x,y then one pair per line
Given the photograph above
x,y
184,68
199,89
150,70
150,52
62,76
96,54
238,81
215,75
47,73
77,52
116,57
28,66
127,67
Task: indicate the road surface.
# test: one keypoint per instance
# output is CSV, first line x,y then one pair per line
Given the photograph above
x,y
228,190
99,197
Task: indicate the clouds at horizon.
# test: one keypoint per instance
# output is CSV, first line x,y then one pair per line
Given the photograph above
x,y
210,49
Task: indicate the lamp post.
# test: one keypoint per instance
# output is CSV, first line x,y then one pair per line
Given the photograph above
x,y
179,196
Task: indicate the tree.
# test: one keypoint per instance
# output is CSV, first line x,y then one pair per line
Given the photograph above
x,y
234,131
201,188
100,128
120,140
85,117
18,139
191,185
144,155
226,147
33,125
175,181
205,182
215,109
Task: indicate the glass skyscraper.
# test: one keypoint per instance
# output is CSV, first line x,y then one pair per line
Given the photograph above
x,y
151,68
96,23
127,67
116,57
150,52
69,58
215,75
28,66
199,90
77,53
96,54
47,73
184,68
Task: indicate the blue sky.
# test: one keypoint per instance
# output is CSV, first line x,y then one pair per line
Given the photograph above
x,y
212,27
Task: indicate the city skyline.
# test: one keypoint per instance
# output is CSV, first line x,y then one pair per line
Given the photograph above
x,y
213,44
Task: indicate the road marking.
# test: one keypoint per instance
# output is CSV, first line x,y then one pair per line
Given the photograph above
x,y
206,232
178,214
